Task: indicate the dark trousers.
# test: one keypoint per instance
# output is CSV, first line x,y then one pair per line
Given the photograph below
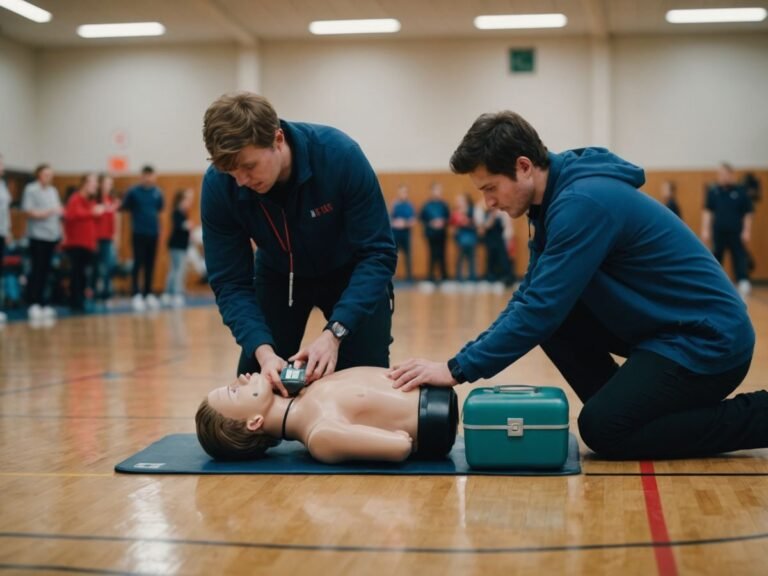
x,y
403,242
498,265
651,407
40,256
80,261
730,240
144,252
366,346
2,262
437,256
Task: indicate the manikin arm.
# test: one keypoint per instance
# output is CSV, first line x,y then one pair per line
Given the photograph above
x,y
332,442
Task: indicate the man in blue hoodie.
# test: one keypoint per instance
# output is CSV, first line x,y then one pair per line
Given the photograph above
x,y
307,198
611,271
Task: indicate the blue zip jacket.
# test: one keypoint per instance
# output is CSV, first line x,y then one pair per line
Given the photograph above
x,y
636,266
336,217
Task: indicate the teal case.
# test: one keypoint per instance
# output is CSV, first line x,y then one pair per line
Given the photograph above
x,y
514,427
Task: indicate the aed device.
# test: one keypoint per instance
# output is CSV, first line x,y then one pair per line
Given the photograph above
x,y
294,379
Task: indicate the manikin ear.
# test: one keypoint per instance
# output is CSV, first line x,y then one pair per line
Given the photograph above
x,y
254,424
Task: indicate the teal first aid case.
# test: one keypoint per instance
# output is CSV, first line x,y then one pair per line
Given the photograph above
x,y
515,427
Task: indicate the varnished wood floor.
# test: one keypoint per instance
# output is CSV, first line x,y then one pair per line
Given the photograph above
x,y
88,392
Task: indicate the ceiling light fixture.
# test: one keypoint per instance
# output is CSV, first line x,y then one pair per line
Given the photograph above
x,y
517,21
27,10
370,26
713,15
126,30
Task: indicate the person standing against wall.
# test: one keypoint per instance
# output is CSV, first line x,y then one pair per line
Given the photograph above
x,y
5,227
42,205
727,222
144,202
434,216
107,235
403,216
178,243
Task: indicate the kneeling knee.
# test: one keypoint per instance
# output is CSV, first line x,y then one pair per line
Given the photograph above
x,y
596,433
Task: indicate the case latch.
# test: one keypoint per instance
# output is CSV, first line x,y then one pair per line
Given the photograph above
x,y
515,427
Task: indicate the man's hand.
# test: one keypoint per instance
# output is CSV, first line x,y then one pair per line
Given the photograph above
x,y
271,366
320,357
417,371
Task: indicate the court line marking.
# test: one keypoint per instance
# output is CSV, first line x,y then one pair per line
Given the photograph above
x,y
665,557
676,474
172,360
385,549
58,474
70,569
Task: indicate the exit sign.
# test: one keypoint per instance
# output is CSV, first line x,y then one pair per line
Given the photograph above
x,y
522,60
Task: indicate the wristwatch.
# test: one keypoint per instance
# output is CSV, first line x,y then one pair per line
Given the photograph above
x,y
456,372
337,329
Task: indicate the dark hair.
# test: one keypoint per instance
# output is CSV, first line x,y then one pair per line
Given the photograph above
x,y
148,169
496,141
178,197
237,120
228,439
40,168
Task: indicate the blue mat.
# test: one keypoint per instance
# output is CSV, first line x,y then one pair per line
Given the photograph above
x,y
182,454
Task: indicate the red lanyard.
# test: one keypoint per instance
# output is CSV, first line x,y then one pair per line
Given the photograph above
x,y
286,246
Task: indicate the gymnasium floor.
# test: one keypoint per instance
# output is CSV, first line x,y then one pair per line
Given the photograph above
x,y
84,394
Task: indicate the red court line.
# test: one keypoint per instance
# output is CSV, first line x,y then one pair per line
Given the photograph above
x,y
665,557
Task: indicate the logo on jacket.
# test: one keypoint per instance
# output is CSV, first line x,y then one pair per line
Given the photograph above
x,y
320,210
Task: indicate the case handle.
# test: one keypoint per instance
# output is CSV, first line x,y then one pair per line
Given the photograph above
x,y
515,389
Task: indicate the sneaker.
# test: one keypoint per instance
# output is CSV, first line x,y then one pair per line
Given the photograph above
x,y
744,287
49,312
166,299
35,312
152,302
178,301
137,303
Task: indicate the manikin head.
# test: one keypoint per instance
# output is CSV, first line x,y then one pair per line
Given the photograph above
x,y
230,420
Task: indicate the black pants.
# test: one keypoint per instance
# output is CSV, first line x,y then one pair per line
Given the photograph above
x,y
40,256
730,240
80,262
437,256
403,243
651,407
144,252
366,346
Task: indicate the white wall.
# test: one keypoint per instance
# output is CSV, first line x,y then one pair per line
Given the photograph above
x,y
673,102
18,95
410,102
156,96
691,102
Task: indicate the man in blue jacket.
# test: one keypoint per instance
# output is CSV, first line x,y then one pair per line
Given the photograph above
x,y
611,271
307,198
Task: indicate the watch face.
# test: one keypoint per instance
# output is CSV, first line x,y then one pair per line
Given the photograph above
x,y
339,330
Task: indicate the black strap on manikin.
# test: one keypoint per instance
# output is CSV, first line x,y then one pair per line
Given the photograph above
x,y
438,420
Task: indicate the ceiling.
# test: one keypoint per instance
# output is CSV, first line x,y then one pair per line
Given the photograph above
x,y
247,21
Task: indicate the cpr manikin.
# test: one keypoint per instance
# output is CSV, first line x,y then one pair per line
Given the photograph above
x,y
353,414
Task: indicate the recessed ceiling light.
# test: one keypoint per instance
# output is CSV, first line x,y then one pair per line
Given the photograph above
x,y
29,11
370,26
712,15
515,21
129,29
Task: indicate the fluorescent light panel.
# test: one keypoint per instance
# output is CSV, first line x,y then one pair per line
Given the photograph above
x,y
712,15
29,11
517,21
370,26
128,29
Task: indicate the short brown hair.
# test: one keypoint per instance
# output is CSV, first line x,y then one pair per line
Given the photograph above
x,y
228,439
234,121
496,141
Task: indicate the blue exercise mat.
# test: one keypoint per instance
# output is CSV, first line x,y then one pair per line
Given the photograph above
x,y
182,454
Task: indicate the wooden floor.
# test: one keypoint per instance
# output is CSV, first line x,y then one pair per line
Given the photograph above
x,y
80,396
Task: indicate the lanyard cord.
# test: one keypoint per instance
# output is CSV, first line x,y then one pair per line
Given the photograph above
x,y
285,418
286,246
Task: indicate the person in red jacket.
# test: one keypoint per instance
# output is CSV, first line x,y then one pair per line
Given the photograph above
x,y
107,234
80,216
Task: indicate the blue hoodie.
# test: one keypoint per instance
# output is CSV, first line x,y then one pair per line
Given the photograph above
x,y
639,269
335,215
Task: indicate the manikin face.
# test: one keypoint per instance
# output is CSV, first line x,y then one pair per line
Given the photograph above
x,y
499,190
259,168
244,399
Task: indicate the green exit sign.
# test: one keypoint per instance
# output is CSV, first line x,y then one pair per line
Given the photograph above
x,y
522,60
